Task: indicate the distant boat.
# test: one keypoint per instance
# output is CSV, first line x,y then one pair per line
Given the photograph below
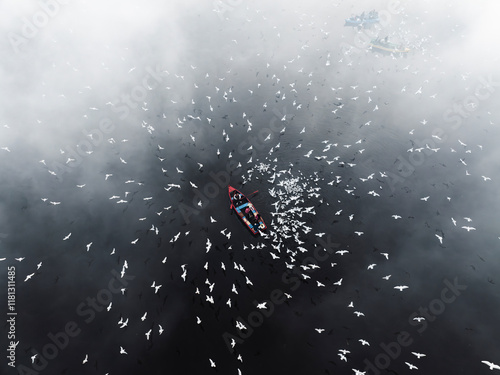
x,y
382,45
363,20
241,204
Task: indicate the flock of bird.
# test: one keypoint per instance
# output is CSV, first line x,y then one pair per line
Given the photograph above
x,y
298,190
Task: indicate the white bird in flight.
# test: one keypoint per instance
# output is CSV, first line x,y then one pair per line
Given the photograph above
x,y
468,228
412,367
492,365
418,355
401,287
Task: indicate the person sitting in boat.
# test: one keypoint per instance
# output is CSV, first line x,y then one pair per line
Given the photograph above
x,y
248,209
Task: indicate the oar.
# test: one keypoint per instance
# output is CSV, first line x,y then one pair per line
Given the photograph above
x,y
256,191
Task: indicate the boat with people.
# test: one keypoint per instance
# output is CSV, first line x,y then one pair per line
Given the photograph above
x,y
364,20
246,210
384,46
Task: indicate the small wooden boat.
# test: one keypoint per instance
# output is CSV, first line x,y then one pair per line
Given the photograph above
x,y
383,46
246,211
363,20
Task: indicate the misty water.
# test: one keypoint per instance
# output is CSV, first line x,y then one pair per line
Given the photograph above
x,y
123,124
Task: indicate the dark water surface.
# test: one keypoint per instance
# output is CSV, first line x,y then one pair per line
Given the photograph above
x,y
321,130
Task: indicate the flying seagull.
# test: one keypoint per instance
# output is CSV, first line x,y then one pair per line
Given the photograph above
x,y
492,365
411,366
418,355
469,228
400,287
